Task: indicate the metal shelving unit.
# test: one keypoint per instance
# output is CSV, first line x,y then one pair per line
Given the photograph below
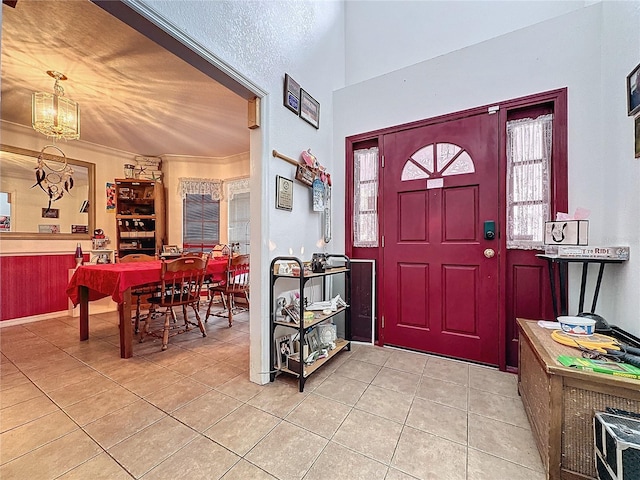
x,y
302,370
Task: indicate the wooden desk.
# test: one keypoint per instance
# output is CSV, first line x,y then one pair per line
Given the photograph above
x,y
560,402
92,282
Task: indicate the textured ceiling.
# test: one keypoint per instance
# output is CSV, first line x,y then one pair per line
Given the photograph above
x,y
133,95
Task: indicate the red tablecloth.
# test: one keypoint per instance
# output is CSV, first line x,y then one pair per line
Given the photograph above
x,y
113,279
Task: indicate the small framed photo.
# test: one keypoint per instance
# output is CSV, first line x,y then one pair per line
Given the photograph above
x,y
48,228
284,193
173,249
292,312
633,91
309,109
50,213
313,340
284,348
291,94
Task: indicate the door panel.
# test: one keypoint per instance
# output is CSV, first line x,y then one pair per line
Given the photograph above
x,y
413,308
460,282
460,215
440,291
413,228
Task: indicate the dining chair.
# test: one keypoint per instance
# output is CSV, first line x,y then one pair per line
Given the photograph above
x,y
180,284
235,284
140,292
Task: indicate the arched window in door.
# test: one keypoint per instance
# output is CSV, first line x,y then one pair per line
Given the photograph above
x,y
437,160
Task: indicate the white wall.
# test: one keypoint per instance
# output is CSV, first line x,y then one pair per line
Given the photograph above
x,y
263,41
383,36
589,51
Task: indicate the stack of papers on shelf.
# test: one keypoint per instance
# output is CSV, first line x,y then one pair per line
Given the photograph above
x,y
332,304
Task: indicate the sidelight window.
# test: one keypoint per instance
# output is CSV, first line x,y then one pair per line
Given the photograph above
x,y
365,201
529,144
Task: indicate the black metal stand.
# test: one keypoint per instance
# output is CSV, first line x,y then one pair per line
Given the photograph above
x,y
563,268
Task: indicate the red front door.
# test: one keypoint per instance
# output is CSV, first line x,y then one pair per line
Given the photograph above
x,y
440,186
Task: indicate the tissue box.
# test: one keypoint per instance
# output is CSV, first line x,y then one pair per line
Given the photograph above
x,y
617,446
566,232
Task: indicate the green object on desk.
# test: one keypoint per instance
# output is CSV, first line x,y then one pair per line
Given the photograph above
x,y
600,366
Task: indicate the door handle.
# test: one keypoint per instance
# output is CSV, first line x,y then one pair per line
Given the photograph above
x,y
489,253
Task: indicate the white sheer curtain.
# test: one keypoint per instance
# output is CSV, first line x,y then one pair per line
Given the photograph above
x,y
528,181
200,186
365,202
239,219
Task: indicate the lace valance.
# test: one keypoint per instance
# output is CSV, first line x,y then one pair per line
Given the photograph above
x,y
234,187
201,186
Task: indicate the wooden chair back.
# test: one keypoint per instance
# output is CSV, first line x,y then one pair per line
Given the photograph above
x,y
136,257
238,274
181,280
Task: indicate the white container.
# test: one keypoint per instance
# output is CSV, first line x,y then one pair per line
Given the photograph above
x,y
577,325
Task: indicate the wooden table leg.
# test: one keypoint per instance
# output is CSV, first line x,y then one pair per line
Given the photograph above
x,y
126,332
83,293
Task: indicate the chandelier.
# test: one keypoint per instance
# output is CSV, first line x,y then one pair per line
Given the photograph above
x,y
54,115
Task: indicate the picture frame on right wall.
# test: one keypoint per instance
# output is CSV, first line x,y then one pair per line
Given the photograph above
x,y
309,109
637,125
633,91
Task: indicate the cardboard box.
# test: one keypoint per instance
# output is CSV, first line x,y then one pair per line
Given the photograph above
x,y
567,232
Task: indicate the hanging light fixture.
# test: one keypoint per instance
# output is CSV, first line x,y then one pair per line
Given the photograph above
x,y
53,114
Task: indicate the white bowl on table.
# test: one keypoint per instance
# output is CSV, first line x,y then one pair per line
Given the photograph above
x,y
577,325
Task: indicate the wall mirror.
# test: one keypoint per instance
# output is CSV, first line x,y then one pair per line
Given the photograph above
x,y
25,211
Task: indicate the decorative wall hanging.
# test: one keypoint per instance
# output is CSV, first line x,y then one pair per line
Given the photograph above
x,y
309,109
53,181
318,195
291,94
327,214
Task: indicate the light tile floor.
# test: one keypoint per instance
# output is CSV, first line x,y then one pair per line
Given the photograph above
x,y
75,410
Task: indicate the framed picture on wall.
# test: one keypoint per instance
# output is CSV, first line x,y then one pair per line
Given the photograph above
x,y
633,91
50,213
637,122
309,109
291,94
284,193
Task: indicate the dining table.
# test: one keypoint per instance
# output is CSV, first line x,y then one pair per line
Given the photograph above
x,y
93,282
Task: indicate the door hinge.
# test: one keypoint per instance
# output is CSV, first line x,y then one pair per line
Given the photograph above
x,y
493,109
382,161
382,241
383,321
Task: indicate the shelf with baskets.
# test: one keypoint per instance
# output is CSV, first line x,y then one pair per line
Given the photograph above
x,y
139,216
303,334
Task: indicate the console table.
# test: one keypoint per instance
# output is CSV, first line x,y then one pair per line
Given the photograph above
x,y
563,267
560,402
